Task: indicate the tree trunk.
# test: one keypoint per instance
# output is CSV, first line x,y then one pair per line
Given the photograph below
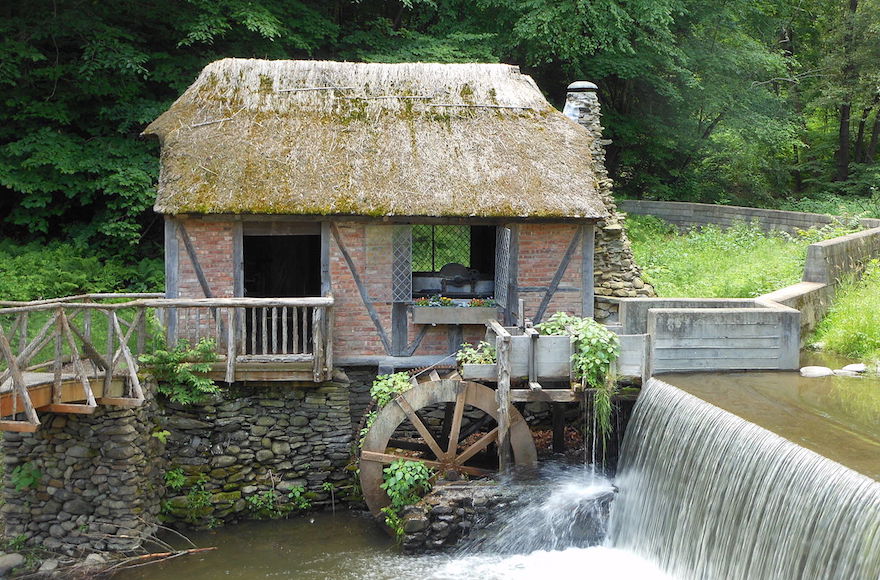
x,y
843,144
858,156
871,152
849,75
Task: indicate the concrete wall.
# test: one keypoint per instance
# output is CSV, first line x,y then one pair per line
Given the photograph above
x,y
686,215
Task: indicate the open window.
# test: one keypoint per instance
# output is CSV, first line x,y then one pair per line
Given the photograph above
x,y
457,261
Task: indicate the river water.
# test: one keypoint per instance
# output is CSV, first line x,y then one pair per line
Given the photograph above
x,y
722,476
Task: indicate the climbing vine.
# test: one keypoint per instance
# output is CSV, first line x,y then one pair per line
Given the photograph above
x,y
595,350
405,482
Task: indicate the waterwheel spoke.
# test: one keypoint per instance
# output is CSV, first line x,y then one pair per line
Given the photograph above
x,y
390,458
420,427
457,417
382,457
477,446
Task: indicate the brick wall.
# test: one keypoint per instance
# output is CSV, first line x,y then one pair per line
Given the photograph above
x,y
541,250
212,242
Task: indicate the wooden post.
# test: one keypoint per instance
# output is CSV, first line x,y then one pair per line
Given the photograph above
x,y
502,345
111,351
18,383
318,343
231,319
558,419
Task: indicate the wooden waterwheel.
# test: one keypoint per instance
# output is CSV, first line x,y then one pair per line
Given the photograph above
x,y
458,443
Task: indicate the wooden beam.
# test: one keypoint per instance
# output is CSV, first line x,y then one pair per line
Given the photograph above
x,y
172,276
19,426
194,260
18,384
362,289
588,282
389,458
502,395
126,402
557,277
71,408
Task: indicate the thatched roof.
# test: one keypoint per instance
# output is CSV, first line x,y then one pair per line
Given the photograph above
x,y
332,138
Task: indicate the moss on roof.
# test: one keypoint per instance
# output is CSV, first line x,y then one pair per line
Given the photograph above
x,y
329,138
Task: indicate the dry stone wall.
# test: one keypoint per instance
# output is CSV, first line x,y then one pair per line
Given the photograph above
x,y
97,476
258,440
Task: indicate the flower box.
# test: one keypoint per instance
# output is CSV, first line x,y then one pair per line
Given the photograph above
x,y
453,314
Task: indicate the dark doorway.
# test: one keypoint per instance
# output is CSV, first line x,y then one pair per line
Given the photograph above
x,y
287,266
282,266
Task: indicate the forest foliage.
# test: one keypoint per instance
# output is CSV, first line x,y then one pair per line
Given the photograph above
x,y
742,101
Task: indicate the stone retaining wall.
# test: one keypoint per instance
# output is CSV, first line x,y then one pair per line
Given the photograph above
x,y
258,440
99,480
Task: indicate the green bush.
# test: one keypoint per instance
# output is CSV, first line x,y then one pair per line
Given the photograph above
x,y
36,271
180,372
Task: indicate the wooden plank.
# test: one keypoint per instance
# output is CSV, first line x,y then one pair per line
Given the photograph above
x,y
318,343
284,330
70,408
455,428
416,421
389,458
532,335
362,289
557,277
588,282
274,314
552,357
496,327
253,313
172,277
295,314
326,282
275,358
502,396
264,331
477,446
18,426
230,347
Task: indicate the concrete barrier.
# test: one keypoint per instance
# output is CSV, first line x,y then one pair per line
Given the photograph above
x,y
686,215
764,333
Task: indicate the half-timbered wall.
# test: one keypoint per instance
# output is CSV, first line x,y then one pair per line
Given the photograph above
x,y
551,266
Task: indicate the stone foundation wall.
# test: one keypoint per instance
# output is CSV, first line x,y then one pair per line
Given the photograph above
x,y
450,513
253,440
99,480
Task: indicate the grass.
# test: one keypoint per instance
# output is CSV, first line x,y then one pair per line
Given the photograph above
x,y
739,262
852,326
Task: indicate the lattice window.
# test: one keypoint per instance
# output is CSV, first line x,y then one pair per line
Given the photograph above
x,y
401,269
435,246
502,265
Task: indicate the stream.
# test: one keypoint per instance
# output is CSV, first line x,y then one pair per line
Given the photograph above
x,y
740,475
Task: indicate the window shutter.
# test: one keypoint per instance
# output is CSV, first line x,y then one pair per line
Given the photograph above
x,y
401,266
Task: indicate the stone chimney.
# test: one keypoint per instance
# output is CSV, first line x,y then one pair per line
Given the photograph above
x,y
582,107
616,274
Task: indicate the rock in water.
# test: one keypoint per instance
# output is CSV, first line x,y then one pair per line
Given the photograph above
x,y
855,368
815,372
10,561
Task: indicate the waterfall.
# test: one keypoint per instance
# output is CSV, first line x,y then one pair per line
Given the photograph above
x,y
706,494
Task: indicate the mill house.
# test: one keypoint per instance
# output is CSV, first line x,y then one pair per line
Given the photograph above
x,y
317,213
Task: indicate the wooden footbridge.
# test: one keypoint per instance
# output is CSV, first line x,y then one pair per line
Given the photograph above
x,y
71,354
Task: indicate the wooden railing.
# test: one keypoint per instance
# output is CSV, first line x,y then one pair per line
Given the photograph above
x,y
84,338
281,330
92,338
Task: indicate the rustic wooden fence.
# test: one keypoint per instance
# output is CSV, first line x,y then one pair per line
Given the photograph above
x,y
56,355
